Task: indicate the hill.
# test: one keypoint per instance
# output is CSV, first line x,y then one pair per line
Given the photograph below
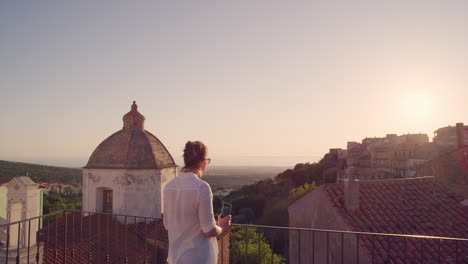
x,y
237,176
39,173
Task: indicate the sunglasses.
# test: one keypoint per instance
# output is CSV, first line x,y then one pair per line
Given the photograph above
x,y
208,160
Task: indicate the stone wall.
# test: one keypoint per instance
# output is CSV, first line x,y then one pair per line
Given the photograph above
x,y
315,211
135,192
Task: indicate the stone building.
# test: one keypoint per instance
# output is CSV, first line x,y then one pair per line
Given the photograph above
x,y
452,137
128,171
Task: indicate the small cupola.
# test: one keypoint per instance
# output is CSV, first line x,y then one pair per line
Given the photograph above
x,y
133,119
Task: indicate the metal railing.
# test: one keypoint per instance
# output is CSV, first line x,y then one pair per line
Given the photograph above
x,y
88,237
84,237
269,244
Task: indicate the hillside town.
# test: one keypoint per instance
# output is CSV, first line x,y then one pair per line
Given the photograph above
x,y
391,185
398,156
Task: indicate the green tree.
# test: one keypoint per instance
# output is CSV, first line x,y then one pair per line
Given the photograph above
x,y
255,244
296,193
52,202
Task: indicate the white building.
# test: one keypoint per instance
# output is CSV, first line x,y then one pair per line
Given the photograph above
x,y
128,171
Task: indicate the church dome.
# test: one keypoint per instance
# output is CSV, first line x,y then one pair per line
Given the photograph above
x,y
131,148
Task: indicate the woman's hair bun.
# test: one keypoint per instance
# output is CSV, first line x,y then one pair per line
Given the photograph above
x,y
194,152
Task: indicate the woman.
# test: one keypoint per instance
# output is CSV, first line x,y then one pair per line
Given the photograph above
x,y
188,212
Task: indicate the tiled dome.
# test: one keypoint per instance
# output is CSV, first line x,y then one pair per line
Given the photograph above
x,y
131,148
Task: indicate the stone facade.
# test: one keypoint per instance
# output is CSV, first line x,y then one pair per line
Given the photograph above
x,y
135,192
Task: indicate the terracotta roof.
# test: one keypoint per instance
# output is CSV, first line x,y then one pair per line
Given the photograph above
x,y
97,236
131,148
419,206
5,180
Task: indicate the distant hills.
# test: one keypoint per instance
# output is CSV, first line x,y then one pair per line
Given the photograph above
x,y
237,176
39,173
219,175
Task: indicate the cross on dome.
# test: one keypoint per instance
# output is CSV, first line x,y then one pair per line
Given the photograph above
x,y
133,119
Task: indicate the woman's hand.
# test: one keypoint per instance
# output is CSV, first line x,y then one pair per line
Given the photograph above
x,y
224,223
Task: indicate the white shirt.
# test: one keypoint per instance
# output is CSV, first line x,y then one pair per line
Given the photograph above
x,y
187,211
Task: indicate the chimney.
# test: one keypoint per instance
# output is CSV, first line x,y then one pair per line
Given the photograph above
x,y
460,135
351,193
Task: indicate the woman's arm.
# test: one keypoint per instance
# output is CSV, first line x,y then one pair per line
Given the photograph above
x,y
206,216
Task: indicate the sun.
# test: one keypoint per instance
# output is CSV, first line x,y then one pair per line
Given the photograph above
x,y
416,105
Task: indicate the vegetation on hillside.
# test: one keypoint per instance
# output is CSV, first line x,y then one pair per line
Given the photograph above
x,y
266,203
251,247
40,173
54,201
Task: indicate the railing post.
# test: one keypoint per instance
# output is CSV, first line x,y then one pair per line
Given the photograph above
x,y
145,230
19,244
272,245
56,237
438,250
328,247
388,248
126,241
313,246
66,238
342,247
233,252
107,238
8,243
246,242
299,246
116,258
98,254
37,239
29,237
73,238
89,239
421,251
259,256
357,249
405,249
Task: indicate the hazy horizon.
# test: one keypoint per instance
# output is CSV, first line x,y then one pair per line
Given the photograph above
x,y
254,161
248,78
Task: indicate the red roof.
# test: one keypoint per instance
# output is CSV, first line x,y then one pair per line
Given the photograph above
x,y
97,236
419,206
5,180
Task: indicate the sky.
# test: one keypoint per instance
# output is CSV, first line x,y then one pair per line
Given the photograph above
x,y
260,82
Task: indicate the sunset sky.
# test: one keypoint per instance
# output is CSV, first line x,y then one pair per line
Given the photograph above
x,y
260,82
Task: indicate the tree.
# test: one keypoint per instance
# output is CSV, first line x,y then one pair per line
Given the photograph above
x,y
251,247
297,193
52,202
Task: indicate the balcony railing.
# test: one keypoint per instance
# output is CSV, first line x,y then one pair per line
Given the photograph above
x,y
269,244
87,237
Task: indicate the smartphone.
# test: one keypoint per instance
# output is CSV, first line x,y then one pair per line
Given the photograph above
x,y
226,209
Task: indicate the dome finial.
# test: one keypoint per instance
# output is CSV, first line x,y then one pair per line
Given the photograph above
x,y
133,119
